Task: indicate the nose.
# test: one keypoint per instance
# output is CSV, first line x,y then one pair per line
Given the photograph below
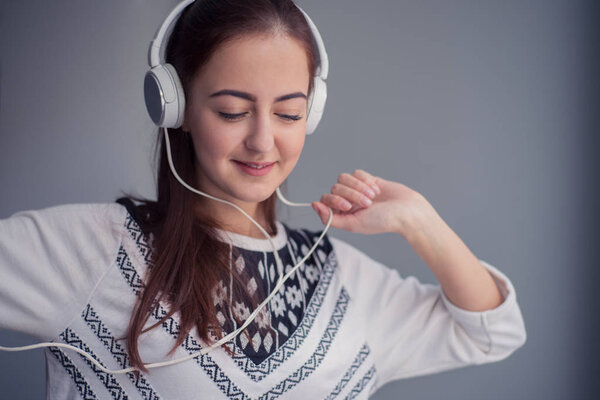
x,y
260,138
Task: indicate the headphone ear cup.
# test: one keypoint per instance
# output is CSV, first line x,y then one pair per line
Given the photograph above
x,y
316,104
164,96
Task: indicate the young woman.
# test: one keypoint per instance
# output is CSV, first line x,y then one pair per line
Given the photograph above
x,y
132,285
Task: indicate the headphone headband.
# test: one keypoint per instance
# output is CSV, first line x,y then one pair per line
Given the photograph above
x,y
157,43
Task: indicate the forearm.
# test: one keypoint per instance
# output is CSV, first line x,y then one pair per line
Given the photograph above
x,y
465,281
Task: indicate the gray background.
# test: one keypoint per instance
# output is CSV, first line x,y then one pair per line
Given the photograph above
x,y
485,107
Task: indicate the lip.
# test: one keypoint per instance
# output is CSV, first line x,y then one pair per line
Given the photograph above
x,y
264,167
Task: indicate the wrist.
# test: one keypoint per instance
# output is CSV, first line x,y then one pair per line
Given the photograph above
x,y
419,221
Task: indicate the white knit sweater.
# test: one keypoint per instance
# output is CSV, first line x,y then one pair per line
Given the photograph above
x,y
344,327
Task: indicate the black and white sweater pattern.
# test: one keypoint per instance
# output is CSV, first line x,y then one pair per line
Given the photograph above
x,y
341,327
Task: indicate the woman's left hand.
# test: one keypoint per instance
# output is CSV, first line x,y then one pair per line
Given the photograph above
x,y
368,204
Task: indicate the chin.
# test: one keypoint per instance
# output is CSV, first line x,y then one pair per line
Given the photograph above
x,y
254,195
257,198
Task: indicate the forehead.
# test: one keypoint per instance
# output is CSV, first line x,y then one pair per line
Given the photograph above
x,y
259,64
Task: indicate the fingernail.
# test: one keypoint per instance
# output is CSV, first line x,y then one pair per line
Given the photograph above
x,y
370,193
376,188
365,201
345,205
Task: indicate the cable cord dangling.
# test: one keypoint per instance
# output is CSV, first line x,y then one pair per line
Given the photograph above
x,y
281,280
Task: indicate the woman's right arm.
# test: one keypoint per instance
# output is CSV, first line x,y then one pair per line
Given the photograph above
x,y
50,262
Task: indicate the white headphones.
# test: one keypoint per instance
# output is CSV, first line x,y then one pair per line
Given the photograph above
x,y
163,93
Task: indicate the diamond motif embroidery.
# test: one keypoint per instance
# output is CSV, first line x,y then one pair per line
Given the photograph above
x,y
268,342
261,269
284,347
272,272
243,340
219,293
251,286
292,317
221,318
282,328
240,264
256,340
275,323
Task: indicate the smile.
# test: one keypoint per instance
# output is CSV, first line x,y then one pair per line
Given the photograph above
x,y
257,165
255,168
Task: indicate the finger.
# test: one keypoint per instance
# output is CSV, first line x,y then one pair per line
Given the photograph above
x,y
335,202
338,220
356,184
323,212
352,195
368,179
319,209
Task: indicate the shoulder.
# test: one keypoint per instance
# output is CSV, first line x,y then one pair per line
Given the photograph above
x,y
359,272
76,215
350,256
77,212
99,223
52,260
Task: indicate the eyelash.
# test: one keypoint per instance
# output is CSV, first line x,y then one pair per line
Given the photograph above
x,y
235,117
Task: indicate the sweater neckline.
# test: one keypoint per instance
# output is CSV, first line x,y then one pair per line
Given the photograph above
x,y
252,243
236,239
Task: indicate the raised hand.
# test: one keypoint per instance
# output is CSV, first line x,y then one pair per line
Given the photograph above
x,y
368,204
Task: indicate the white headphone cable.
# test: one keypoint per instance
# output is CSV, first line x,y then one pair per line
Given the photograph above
x,y
231,335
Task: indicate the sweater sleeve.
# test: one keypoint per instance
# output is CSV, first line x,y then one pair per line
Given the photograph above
x,y
50,262
412,327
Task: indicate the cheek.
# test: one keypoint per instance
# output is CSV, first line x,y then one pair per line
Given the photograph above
x,y
211,141
293,146
212,147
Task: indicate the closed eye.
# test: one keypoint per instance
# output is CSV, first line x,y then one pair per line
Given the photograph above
x,y
232,117
289,117
237,116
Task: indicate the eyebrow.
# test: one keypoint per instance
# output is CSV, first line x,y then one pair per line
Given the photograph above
x,y
248,96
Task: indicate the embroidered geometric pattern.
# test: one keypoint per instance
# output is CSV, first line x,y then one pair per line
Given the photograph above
x,y
229,388
104,335
111,384
277,323
288,306
205,361
358,360
129,272
80,382
362,384
172,327
326,262
319,354
260,371
139,238
257,362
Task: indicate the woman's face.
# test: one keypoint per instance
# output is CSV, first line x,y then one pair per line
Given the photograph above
x,y
246,112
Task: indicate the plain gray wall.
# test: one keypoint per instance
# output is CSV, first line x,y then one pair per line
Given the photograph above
x,y
485,107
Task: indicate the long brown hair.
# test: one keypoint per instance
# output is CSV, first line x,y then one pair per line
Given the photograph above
x,y
188,260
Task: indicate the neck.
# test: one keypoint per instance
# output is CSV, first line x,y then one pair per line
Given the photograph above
x,y
230,219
